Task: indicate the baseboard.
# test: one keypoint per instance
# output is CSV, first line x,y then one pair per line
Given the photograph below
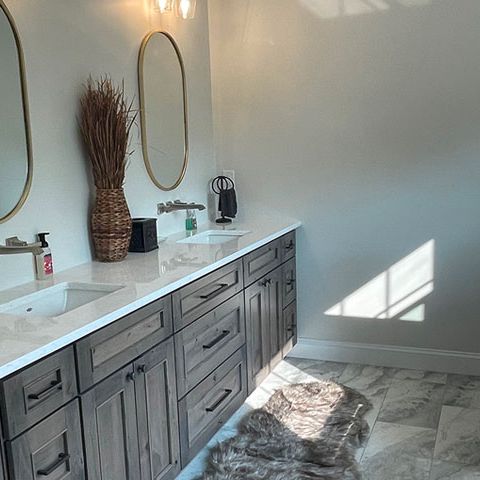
x,y
389,355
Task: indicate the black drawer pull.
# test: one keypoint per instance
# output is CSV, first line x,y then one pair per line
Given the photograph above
x,y
52,388
62,458
224,334
291,329
290,245
220,289
219,401
290,282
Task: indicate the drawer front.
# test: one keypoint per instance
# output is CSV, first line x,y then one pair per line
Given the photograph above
x,y
201,296
208,342
289,282
261,261
288,246
290,327
51,450
206,408
37,391
109,349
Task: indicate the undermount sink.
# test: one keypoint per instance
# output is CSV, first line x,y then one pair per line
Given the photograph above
x,y
214,237
57,300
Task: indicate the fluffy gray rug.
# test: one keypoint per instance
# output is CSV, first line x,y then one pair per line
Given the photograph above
x,y
305,431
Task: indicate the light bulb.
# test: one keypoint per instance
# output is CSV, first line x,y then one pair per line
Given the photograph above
x,y
164,6
185,8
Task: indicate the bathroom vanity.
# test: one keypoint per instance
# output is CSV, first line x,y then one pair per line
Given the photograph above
x,y
137,395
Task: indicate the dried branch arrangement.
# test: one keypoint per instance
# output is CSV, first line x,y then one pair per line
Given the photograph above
x,y
106,119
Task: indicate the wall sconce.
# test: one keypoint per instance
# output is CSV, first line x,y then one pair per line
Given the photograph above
x,y
163,6
185,8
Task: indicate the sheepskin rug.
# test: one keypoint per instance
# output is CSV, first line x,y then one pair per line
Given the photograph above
x,y
305,431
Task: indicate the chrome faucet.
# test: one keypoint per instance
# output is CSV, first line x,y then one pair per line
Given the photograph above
x,y
14,245
178,205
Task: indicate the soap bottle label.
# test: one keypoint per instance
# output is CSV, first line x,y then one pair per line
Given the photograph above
x,y
48,264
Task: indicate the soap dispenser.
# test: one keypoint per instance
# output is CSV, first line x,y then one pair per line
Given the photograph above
x,y
191,221
44,262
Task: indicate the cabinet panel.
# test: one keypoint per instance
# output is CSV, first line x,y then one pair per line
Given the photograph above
x,y
289,282
110,428
109,349
37,391
52,449
290,327
258,333
209,341
201,296
261,261
157,415
207,407
275,307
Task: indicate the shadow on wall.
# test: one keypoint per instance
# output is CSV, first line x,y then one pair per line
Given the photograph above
x,y
329,9
396,293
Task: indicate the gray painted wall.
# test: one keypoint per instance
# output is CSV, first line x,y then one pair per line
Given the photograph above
x,y
362,119
64,42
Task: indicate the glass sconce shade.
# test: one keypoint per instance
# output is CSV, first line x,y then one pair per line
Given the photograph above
x,y
185,8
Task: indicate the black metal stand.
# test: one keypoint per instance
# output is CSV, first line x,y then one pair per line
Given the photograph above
x,y
220,184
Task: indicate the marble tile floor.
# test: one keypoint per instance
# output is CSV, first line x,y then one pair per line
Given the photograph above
x,y
424,425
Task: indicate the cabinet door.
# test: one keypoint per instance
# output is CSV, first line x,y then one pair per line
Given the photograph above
x,y
258,333
2,463
51,449
110,428
275,315
157,414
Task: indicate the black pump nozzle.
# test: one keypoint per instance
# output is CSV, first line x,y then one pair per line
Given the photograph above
x,y
42,238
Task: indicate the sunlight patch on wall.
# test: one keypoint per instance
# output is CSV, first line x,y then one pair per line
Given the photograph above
x,y
393,291
328,9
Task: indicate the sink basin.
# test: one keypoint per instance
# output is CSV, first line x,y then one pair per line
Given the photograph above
x,y
214,237
57,300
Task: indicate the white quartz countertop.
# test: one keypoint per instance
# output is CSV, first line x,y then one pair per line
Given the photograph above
x,y
145,277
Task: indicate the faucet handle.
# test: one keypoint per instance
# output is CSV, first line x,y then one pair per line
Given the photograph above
x,y
15,242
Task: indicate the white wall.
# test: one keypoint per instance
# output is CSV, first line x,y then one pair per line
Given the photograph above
x,y
64,42
362,119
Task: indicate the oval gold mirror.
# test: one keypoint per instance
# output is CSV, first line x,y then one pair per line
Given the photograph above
x,y
15,151
163,110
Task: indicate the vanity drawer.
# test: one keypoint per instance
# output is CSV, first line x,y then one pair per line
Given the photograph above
x,y
201,296
52,449
261,261
111,348
208,342
37,391
206,408
289,282
288,246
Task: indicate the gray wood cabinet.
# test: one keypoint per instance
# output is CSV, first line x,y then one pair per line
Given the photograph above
x,y
208,342
110,428
209,405
131,423
154,386
258,333
112,347
157,417
51,449
37,391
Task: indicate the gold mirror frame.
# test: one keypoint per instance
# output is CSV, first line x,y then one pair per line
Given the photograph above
x,y
143,120
26,115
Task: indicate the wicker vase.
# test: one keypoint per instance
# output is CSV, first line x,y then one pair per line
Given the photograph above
x,y
111,225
